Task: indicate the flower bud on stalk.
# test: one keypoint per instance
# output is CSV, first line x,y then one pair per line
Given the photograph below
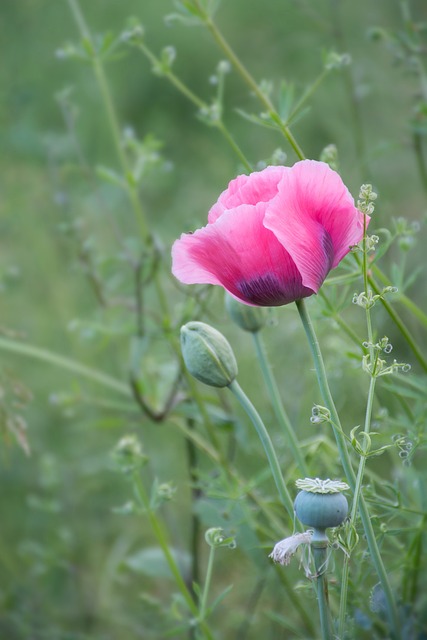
x,y
248,318
208,356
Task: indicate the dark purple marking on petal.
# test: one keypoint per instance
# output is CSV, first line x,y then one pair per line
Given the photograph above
x,y
328,248
269,291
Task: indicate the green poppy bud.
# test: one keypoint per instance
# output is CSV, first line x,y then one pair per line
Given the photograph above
x,y
248,318
208,355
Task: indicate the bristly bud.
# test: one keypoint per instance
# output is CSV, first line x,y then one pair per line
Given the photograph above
x,y
128,454
330,155
320,414
208,355
248,318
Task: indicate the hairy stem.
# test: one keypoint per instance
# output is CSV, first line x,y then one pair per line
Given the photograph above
x,y
266,443
279,410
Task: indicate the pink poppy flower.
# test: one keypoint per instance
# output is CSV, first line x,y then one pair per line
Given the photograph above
x,y
273,236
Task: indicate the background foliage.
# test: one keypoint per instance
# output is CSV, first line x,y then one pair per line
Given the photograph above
x,y
65,286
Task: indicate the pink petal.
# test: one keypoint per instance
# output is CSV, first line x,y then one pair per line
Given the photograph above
x,y
260,186
240,254
314,217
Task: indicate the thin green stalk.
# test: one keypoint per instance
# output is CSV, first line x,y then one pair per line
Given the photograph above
x,y
208,580
356,500
163,542
407,302
401,326
347,467
343,597
278,407
36,353
196,492
199,103
266,443
102,81
320,562
244,73
340,322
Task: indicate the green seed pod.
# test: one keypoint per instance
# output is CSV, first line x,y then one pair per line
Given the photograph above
x,y
248,318
208,355
321,510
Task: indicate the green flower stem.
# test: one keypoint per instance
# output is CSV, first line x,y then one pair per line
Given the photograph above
x,y
346,464
266,443
101,79
160,534
198,102
278,407
208,580
43,355
373,358
354,509
320,562
249,80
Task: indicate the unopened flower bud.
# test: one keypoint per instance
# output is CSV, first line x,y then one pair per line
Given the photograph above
x,y
248,318
208,355
129,454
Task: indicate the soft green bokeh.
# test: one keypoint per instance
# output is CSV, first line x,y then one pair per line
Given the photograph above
x,y
62,549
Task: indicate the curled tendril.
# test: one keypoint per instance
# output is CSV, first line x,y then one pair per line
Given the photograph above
x,y
215,538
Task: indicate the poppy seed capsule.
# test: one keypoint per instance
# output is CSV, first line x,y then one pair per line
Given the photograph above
x,y
208,356
321,510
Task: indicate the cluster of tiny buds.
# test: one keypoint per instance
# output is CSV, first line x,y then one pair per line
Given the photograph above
x,y
367,196
320,414
371,242
381,345
367,300
380,368
222,68
404,445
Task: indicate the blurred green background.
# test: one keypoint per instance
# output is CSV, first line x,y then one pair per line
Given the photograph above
x,y
61,547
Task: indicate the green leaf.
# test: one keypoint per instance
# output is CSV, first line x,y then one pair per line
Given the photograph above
x,y
151,561
219,598
262,122
286,99
110,176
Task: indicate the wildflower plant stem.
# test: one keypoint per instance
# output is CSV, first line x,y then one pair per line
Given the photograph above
x,y
249,80
68,364
373,357
347,467
277,404
266,443
320,562
112,119
208,580
160,534
198,102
